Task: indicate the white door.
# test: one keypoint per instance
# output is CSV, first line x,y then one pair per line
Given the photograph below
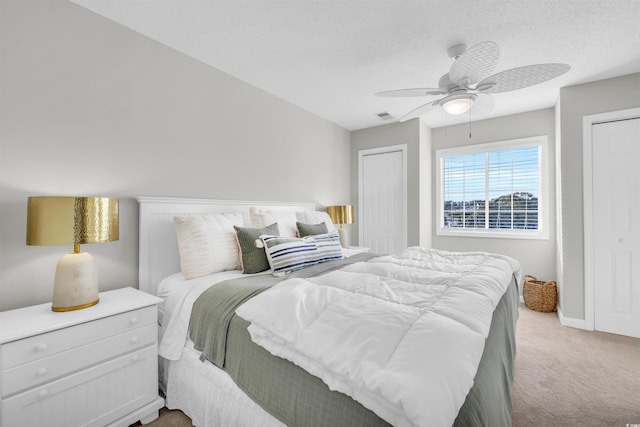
x,y
382,199
616,226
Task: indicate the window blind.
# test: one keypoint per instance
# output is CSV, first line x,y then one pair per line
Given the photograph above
x,y
496,189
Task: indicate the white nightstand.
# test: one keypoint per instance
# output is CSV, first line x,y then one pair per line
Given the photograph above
x,y
92,367
353,250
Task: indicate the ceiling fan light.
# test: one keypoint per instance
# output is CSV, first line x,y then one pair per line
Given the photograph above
x,y
458,104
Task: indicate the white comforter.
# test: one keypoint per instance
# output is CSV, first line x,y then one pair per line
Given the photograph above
x,y
403,335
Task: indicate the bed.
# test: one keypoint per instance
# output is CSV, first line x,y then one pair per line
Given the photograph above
x,y
256,381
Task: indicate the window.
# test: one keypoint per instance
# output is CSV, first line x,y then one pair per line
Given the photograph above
x,y
493,190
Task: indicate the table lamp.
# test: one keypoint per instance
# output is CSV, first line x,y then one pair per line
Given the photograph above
x,y
341,215
73,220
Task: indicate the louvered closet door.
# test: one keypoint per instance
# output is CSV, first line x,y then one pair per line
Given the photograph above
x,y
616,226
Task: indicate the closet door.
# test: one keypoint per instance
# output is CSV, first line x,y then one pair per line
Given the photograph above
x,y
382,199
616,226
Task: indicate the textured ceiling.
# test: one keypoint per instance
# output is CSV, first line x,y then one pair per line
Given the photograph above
x,y
330,56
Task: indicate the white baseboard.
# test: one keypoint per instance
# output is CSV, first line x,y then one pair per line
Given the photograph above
x,y
571,322
568,321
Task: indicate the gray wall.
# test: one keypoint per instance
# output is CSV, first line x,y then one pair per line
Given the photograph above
x,y
388,135
576,102
89,107
537,257
426,189
561,256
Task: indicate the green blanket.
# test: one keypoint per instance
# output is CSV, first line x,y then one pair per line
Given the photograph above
x,y
214,309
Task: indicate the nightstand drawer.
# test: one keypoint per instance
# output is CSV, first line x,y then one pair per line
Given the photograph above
x,y
43,370
94,397
44,345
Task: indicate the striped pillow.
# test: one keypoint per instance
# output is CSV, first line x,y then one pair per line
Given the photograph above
x,y
286,254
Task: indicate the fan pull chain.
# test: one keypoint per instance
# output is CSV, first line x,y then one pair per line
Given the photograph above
x,y
446,124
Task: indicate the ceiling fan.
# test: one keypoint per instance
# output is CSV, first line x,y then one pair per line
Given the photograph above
x,y
468,84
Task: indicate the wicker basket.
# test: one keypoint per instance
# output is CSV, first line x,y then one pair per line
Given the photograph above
x,y
540,295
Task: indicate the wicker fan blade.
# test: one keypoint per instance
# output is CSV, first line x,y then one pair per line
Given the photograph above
x,y
484,105
416,112
475,64
521,77
424,91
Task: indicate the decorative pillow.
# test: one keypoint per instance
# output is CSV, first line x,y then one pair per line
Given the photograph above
x,y
286,254
286,220
252,258
305,230
207,243
314,217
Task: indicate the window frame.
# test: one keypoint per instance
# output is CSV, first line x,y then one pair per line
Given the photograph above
x,y
542,232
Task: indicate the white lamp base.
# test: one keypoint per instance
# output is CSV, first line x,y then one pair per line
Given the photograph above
x,y
76,283
344,237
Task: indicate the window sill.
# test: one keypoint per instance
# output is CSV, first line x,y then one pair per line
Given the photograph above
x,y
493,234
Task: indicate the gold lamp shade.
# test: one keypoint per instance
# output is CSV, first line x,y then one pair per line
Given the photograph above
x,y
73,220
341,214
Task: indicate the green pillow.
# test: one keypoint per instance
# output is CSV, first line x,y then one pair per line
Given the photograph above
x,y
311,229
254,259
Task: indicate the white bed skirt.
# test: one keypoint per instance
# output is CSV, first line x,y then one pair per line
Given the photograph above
x,y
209,396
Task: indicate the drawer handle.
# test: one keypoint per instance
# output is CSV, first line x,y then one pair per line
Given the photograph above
x,y
135,357
134,340
133,321
42,372
42,346
43,393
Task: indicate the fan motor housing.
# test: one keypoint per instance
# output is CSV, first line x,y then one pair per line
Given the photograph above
x,y
456,50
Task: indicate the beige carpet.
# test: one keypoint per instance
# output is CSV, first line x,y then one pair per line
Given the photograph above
x,y
169,418
571,377
564,377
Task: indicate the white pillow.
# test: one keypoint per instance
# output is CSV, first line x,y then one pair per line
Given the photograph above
x,y
207,243
315,217
286,220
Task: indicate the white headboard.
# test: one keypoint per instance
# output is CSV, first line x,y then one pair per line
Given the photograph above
x,y
158,246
